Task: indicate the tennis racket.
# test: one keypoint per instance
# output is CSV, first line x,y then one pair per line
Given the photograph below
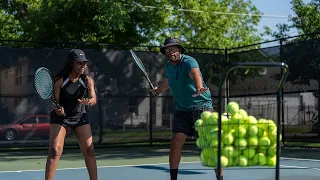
x,y
141,67
43,85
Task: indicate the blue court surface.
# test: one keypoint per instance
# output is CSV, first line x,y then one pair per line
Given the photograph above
x,y
291,169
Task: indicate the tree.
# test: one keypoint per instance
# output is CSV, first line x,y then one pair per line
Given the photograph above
x,y
302,53
10,27
204,23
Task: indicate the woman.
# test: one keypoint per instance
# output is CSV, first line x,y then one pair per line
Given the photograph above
x,y
74,89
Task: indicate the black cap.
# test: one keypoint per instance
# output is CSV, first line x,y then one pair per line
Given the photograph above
x,y
171,41
78,55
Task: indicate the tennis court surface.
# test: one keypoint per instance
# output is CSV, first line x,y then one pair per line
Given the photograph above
x,y
151,163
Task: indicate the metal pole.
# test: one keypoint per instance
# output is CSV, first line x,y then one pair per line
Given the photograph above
x,y
150,108
282,97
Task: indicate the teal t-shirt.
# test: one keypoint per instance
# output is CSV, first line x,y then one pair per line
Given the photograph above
x,y
182,86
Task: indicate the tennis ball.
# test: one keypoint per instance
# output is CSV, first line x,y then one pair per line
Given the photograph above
x,y
253,141
249,153
263,151
251,162
242,161
271,160
261,123
223,161
240,143
244,115
235,120
252,130
213,119
227,138
264,142
225,124
205,116
232,108
260,159
236,152
272,150
260,131
201,142
227,151
198,124
240,131
252,120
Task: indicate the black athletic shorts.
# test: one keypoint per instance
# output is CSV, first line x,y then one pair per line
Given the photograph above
x,y
183,121
55,119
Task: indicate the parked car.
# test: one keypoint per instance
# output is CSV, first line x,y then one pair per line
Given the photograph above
x,y
27,127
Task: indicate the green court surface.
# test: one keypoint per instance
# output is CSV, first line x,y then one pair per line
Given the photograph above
x,y
147,162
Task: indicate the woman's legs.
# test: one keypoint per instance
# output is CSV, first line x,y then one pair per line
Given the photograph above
x,y
57,136
84,136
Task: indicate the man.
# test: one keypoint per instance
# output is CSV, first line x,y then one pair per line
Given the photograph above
x,y
191,95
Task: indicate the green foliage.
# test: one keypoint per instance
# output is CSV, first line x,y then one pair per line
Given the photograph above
x,y
147,22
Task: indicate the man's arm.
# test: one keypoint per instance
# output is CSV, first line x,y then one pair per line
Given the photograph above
x,y
163,86
194,74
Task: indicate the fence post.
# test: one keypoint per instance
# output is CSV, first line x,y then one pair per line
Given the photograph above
x,y
150,108
226,58
282,96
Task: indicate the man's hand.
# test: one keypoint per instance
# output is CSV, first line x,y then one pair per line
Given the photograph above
x,y
155,91
200,91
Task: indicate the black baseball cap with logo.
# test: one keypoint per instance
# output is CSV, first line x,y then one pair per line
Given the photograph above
x,y
78,55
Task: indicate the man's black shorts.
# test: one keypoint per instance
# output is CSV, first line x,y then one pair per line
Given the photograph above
x,y
183,121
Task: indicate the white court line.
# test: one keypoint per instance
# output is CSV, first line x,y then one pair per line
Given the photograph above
x,y
136,165
297,159
299,167
130,165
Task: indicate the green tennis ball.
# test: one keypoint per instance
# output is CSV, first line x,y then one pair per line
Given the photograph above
x,y
260,132
240,143
213,119
226,126
244,115
252,120
232,108
240,132
264,142
235,120
227,138
242,161
272,150
260,159
205,116
227,151
249,153
198,124
224,161
236,152
263,151
271,160
252,130
201,142
253,141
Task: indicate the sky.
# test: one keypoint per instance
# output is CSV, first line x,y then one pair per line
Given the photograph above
x,y
274,7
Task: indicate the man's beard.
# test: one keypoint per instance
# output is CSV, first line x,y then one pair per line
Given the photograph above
x,y
175,58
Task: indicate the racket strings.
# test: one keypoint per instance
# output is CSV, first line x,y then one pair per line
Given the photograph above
x,y
139,62
43,84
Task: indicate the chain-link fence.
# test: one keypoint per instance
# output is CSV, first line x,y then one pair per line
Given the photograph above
x,y
126,113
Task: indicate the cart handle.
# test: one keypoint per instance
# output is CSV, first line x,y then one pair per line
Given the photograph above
x,y
247,65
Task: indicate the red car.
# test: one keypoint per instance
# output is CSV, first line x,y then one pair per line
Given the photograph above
x,y
27,127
